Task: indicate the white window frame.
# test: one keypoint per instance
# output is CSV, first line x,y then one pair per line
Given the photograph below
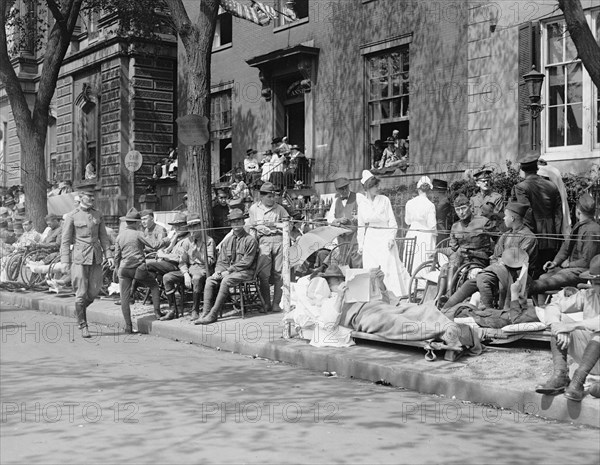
x,y
589,147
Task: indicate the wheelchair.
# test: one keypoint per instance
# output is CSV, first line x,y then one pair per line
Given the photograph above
x,y
36,254
423,285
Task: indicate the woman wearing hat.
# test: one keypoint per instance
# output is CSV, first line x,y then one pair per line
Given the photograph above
x,y
377,228
420,216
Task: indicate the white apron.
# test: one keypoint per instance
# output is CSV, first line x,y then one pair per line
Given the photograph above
x,y
374,242
420,216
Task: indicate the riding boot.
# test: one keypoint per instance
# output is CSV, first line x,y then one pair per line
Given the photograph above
x,y
172,308
134,285
560,378
155,291
127,317
590,358
211,317
80,314
442,286
196,308
265,292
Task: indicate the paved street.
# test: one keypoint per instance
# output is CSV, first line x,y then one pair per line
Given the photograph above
x,y
144,399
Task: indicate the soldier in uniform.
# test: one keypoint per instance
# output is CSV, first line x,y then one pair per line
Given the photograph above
x,y
84,229
545,215
483,179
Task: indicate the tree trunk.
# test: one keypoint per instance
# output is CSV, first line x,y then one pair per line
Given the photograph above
x,y
587,47
197,40
33,143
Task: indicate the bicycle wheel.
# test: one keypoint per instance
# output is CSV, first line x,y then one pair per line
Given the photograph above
x,y
419,286
13,266
27,275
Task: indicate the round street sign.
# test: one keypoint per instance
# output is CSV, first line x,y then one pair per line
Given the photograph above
x,y
133,160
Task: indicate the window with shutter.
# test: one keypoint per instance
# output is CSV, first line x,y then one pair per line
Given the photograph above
x,y
528,57
570,120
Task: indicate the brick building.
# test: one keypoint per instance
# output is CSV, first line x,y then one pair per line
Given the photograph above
x,y
445,73
112,97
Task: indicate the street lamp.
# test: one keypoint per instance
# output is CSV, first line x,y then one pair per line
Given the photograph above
x,y
534,80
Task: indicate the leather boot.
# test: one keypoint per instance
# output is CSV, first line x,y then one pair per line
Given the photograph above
x,y
277,295
196,308
80,314
265,292
590,357
560,378
155,291
172,308
211,317
127,317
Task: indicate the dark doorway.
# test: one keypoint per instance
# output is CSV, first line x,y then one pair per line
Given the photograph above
x,y
294,122
225,159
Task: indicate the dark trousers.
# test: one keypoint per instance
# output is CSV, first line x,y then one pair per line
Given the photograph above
x,y
147,274
216,291
557,279
126,277
463,293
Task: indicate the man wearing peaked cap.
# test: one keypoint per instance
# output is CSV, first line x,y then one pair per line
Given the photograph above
x,y
266,217
129,255
545,215
517,237
236,264
84,229
575,254
579,339
483,179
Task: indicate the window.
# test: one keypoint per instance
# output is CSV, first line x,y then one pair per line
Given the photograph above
x,y
223,31
569,122
92,23
388,92
220,111
290,11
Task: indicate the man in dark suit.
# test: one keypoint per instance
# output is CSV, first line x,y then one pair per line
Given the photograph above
x,y
545,216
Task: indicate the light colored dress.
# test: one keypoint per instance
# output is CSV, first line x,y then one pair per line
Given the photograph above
x,y
376,227
420,215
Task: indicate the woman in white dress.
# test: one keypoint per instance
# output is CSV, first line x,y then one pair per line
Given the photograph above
x,y
420,216
377,229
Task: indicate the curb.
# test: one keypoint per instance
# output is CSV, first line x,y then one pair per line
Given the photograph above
x,y
360,362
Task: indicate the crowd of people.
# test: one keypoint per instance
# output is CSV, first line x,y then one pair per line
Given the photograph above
x,y
518,250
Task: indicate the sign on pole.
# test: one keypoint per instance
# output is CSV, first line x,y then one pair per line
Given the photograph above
x,y
133,160
193,129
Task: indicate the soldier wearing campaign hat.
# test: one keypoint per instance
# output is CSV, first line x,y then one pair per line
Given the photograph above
x,y
343,214
84,229
545,216
265,217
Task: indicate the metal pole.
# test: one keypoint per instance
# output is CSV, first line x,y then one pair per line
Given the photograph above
x,y
286,272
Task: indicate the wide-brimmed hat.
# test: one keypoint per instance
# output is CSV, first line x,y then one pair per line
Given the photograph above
x,y
194,220
89,193
179,219
147,212
268,188
132,215
250,151
341,182
52,216
513,257
332,271
518,208
461,200
236,203
594,271
390,140
276,140
366,175
235,214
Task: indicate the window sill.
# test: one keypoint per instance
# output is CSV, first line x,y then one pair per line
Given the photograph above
x,y
290,25
222,47
85,183
570,154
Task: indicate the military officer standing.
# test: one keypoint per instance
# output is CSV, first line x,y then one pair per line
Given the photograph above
x,y
84,229
483,179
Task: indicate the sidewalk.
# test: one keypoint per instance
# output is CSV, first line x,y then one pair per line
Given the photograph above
x,y
472,379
